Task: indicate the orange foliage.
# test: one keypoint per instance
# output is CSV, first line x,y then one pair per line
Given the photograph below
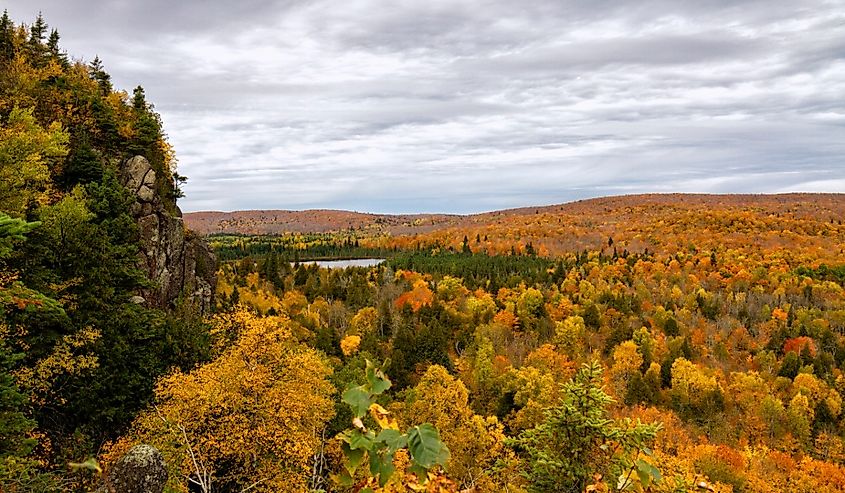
x,y
505,318
797,344
417,297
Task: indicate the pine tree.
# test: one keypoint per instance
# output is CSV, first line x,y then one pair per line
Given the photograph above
x,y
99,74
578,440
7,46
12,230
147,129
53,47
14,424
38,30
178,181
139,99
35,45
83,165
53,42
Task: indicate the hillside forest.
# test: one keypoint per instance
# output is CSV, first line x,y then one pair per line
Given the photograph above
x,y
655,343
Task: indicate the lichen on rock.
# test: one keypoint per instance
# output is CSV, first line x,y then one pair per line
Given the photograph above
x,y
141,470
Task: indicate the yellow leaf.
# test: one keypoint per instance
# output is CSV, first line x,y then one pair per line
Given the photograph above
x,y
381,414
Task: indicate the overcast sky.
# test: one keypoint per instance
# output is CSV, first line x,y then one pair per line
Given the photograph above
x,y
466,106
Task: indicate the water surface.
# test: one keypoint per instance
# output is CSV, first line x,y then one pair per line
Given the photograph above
x,y
342,264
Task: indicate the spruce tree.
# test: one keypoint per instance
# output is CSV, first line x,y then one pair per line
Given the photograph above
x,y
578,439
38,30
35,45
99,74
53,47
139,99
7,46
15,426
11,230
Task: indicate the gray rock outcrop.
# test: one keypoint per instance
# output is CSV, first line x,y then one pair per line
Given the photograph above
x,y
179,262
141,470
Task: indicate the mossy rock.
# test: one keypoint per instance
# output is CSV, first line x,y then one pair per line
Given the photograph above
x,y
141,470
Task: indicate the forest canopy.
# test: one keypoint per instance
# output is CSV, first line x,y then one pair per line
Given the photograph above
x,y
653,343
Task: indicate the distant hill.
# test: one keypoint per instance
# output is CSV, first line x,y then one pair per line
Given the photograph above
x,y
326,220
312,221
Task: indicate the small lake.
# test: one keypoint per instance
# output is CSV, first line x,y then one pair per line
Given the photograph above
x,y
342,264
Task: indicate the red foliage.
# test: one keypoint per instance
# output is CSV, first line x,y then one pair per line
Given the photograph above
x,y
796,344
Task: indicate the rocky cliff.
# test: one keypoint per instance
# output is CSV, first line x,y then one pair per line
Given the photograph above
x,y
181,264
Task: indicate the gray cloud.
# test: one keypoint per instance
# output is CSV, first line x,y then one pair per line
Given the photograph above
x,y
408,106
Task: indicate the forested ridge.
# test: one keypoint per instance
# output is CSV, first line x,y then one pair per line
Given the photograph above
x,y
80,351
655,343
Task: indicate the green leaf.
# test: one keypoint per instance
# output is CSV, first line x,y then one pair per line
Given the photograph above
x,y
344,478
645,478
393,439
358,399
647,472
655,473
361,441
357,440
377,380
425,446
354,457
381,465
419,471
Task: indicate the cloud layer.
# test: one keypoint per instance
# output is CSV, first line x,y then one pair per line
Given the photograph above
x,y
466,106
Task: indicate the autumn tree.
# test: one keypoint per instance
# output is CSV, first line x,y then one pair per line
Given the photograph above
x,y
530,309
27,151
15,426
626,364
475,442
251,418
695,394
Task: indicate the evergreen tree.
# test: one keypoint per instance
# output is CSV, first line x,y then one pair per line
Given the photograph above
x,y
139,99
18,472
53,42
178,181
670,327
35,45
15,426
98,73
147,134
592,319
106,137
55,52
12,230
578,439
83,165
38,30
7,46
